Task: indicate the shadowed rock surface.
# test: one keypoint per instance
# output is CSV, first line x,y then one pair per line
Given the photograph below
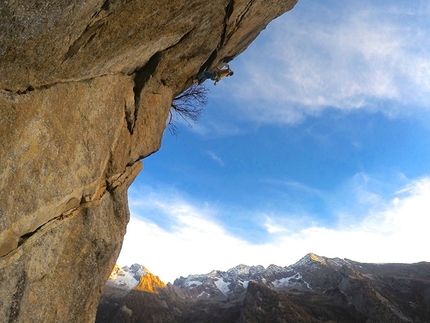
x,y
85,91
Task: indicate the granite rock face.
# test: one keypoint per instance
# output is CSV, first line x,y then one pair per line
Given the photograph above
x,y
85,91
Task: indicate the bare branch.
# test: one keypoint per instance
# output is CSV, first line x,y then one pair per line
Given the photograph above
x,y
188,106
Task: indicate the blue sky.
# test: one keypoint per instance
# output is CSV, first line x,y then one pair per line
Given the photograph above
x,y
320,142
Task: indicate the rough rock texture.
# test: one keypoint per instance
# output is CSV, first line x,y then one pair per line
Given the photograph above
x,y
85,90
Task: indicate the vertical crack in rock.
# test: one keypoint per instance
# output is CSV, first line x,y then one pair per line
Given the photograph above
x,y
15,306
209,61
142,75
129,118
241,16
228,12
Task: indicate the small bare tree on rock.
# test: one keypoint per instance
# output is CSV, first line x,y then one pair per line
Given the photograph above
x,y
187,106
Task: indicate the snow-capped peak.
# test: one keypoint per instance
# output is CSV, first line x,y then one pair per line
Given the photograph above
x,y
244,270
237,279
310,260
126,277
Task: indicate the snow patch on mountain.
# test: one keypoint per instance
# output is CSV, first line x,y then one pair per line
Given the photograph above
x,y
287,281
203,294
192,284
244,283
222,286
235,280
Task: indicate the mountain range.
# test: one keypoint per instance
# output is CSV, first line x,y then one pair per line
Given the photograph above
x,y
314,289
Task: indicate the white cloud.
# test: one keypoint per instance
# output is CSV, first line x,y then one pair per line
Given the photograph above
x,y
196,243
215,158
372,59
272,226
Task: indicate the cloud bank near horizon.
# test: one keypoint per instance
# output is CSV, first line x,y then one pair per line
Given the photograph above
x,y
185,238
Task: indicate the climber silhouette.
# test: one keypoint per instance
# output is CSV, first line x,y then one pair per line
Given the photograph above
x,y
216,74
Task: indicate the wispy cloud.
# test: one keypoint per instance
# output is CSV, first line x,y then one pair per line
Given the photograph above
x,y
294,185
374,59
211,128
197,243
215,158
